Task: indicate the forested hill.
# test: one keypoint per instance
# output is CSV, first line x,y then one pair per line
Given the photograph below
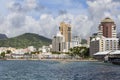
x,y
25,40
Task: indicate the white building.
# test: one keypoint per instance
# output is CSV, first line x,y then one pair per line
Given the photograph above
x,y
31,48
76,41
100,44
45,49
58,43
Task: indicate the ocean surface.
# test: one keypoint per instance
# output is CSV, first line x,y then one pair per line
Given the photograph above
x,y
55,70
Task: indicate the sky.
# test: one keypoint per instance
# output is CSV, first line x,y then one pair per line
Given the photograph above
x,y
44,16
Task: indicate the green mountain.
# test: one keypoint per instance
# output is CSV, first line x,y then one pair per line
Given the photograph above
x,y
25,40
3,36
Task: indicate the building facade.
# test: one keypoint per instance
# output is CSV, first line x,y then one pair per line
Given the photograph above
x,y
105,39
107,28
100,44
94,48
65,30
58,44
76,41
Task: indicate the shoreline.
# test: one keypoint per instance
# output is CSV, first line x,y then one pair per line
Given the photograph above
x,y
66,60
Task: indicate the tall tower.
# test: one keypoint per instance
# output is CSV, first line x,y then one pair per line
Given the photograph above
x,y
107,28
65,30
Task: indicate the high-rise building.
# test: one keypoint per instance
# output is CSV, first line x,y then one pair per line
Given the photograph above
x,y
58,43
107,28
106,39
65,30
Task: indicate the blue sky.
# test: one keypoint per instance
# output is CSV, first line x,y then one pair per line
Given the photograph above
x,y
54,7
44,16
3,9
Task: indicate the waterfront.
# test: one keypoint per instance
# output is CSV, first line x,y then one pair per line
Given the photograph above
x,y
58,70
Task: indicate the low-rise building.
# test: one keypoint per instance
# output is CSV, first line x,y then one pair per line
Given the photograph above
x,y
76,41
100,44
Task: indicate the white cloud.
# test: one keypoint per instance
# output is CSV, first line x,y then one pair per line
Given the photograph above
x,y
48,25
31,4
25,6
81,25
99,9
18,21
16,24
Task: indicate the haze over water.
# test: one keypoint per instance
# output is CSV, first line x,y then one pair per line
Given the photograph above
x,y
53,70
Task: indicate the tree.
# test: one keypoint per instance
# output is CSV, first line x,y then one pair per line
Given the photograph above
x,y
3,54
33,52
26,53
79,51
72,52
38,52
54,52
8,51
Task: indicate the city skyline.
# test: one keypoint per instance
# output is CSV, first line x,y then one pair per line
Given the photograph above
x,y
43,17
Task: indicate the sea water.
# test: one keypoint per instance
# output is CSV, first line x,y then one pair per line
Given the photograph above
x,y
58,70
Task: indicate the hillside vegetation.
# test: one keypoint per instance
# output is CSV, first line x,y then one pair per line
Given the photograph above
x,y
25,40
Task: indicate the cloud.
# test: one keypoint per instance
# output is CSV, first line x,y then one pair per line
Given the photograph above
x,y
16,24
25,6
48,25
20,21
16,20
99,9
33,5
14,6
81,25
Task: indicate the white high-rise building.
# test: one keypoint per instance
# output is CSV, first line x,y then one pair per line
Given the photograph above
x,y
58,43
100,44
62,41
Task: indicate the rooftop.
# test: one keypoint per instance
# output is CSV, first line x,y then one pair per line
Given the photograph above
x,y
107,19
102,53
